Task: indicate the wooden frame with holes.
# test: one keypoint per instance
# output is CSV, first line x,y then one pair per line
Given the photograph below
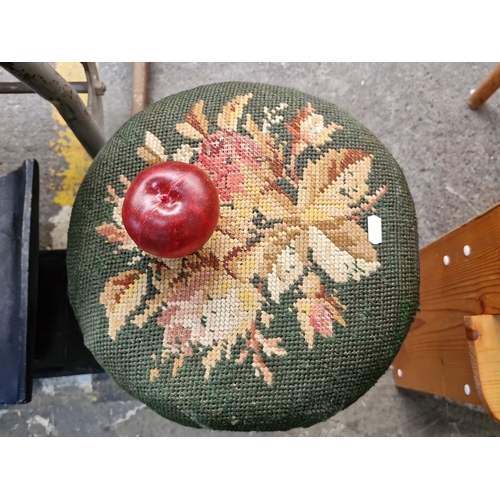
x,y
453,347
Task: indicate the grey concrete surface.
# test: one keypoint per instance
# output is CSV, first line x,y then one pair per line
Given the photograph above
x,y
449,154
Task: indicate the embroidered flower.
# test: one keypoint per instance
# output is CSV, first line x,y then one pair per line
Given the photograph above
x,y
267,243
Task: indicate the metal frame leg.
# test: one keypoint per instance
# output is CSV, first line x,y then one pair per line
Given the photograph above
x,y
86,123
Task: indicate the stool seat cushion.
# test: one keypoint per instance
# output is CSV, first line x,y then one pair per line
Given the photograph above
x,y
303,295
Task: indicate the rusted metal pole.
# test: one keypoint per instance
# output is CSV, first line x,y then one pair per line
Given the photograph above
x,y
21,88
48,83
140,86
486,89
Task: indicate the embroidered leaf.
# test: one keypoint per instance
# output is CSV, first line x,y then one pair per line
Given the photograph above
x,y
275,204
115,234
317,176
368,204
286,271
304,308
270,346
188,131
196,124
212,357
234,234
231,340
197,119
125,182
154,373
232,112
253,129
154,144
147,156
266,318
153,152
350,237
183,154
347,189
259,258
220,245
121,296
273,153
261,368
113,198
178,364
338,264
164,274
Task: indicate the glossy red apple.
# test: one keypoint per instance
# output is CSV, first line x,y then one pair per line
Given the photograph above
x,y
171,209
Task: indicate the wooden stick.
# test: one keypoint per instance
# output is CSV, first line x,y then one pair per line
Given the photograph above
x,y
140,86
486,89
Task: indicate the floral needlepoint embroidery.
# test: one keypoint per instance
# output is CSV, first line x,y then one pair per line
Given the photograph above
x,y
281,226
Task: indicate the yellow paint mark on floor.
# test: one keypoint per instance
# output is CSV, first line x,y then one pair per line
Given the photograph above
x,y
68,146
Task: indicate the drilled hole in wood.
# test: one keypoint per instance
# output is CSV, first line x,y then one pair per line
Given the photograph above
x,y
446,260
400,372
466,250
467,389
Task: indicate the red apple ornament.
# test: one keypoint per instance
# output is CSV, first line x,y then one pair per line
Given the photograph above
x,y
171,209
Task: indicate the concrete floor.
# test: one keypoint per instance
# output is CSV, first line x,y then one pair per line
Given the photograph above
x,y
449,154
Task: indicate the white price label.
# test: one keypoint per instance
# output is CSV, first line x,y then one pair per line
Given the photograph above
x,y
374,229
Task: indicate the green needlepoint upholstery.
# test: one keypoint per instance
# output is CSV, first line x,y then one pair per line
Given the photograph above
x,y
302,297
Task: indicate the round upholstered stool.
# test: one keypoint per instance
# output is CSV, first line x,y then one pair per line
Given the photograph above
x,y
303,295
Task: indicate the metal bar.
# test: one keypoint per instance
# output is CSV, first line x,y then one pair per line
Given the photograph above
x,y
140,86
48,83
21,88
96,91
